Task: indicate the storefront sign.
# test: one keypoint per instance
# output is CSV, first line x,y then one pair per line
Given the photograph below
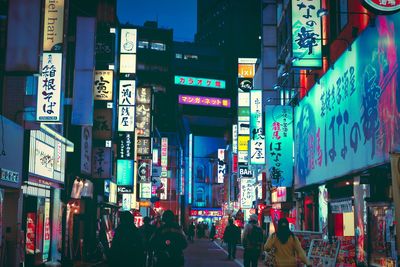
x,y
126,201
143,146
341,206
53,26
383,7
127,89
44,159
164,156
245,84
206,213
164,189
247,193
221,166
245,172
306,34
246,70
101,162
86,150
204,101
9,176
144,167
145,191
47,232
243,142
125,146
127,63
348,122
199,82
105,48
128,41
103,85
112,198
190,169
143,95
257,143
244,101
279,195
102,124
143,120
243,156
126,118
234,138
125,176
49,89
279,144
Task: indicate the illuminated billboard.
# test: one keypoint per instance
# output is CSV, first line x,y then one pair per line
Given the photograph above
x,y
103,84
199,82
125,176
204,101
53,25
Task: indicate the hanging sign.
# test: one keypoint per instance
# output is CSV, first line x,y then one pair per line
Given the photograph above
x,y
103,85
53,25
125,146
382,7
221,166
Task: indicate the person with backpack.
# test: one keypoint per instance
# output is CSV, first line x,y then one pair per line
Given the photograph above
x,y
286,245
168,242
232,238
252,242
127,247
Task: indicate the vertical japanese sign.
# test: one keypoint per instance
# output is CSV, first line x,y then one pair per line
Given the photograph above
x,y
306,34
190,167
257,142
247,193
125,146
143,112
221,166
47,231
234,139
101,164
164,189
49,89
86,150
164,156
103,85
182,174
125,176
279,144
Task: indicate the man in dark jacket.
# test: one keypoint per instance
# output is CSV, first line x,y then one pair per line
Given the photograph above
x,y
231,237
168,242
127,247
146,231
252,242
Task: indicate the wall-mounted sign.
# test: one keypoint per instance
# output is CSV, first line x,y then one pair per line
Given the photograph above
x,y
306,34
247,193
221,166
53,26
144,168
86,149
126,94
145,190
206,212
244,100
348,122
128,41
155,156
9,176
243,156
49,88
244,128
190,169
105,48
199,82
245,172
126,118
125,146
101,162
143,120
245,84
234,138
256,127
279,144
383,7
127,63
204,101
125,176
279,195
164,189
143,146
143,95
246,70
243,142
164,152
257,152
113,193
103,84
102,124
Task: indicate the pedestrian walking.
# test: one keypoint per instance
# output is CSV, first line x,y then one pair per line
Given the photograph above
x,y
286,246
231,238
146,231
252,242
212,232
191,231
168,242
127,246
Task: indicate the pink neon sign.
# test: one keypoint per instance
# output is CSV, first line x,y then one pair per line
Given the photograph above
x,y
204,101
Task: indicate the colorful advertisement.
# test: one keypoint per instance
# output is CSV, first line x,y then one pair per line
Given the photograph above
x,y
204,101
164,189
190,169
47,231
323,209
145,190
103,85
125,176
221,166
49,104
164,156
351,120
199,82
279,144
306,34
247,193
30,233
53,25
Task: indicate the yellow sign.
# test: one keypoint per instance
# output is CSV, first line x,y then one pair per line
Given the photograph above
x,y
103,85
243,142
145,204
246,70
53,25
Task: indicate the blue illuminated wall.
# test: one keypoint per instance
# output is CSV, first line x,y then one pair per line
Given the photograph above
x,y
351,120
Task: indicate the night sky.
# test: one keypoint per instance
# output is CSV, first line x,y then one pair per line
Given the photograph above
x,y
180,15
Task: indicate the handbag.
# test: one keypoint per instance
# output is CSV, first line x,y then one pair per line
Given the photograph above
x,y
269,257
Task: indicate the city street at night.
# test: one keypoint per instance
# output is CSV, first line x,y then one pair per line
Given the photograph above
x,y
191,133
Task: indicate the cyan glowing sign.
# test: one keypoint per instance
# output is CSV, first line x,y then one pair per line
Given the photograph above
x,y
199,82
306,34
351,120
125,175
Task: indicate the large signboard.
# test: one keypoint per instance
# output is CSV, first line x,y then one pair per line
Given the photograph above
x,y
49,89
247,193
306,34
103,85
101,164
350,120
257,142
384,7
199,82
279,144
53,25
204,101
125,176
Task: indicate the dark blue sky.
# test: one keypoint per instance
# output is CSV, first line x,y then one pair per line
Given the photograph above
x,y
180,15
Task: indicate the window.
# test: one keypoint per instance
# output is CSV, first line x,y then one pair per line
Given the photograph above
x,y
158,46
31,85
177,55
190,57
143,44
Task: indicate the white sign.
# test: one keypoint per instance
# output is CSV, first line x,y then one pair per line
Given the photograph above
x,y
127,91
243,156
221,166
126,118
244,128
257,151
127,63
247,193
44,159
245,172
234,138
126,201
112,198
244,99
49,88
128,41
164,189
145,190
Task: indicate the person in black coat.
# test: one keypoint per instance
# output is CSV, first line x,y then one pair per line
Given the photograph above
x,y
127,246
168,242
231,237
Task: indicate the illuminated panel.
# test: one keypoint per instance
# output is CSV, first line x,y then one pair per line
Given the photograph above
x,y
204,101
190,168
199,82
221,165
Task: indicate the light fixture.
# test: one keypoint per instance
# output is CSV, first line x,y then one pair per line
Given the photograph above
x,y
294,59
322,12
285,74
277,87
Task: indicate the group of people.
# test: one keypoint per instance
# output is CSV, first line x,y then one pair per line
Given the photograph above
x,y
149,245
284,243
200,230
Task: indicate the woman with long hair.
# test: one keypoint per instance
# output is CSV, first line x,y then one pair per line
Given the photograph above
x,y
287,246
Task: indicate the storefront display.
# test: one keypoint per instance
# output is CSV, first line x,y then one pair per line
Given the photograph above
x,y
305,238
323,253
347,252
